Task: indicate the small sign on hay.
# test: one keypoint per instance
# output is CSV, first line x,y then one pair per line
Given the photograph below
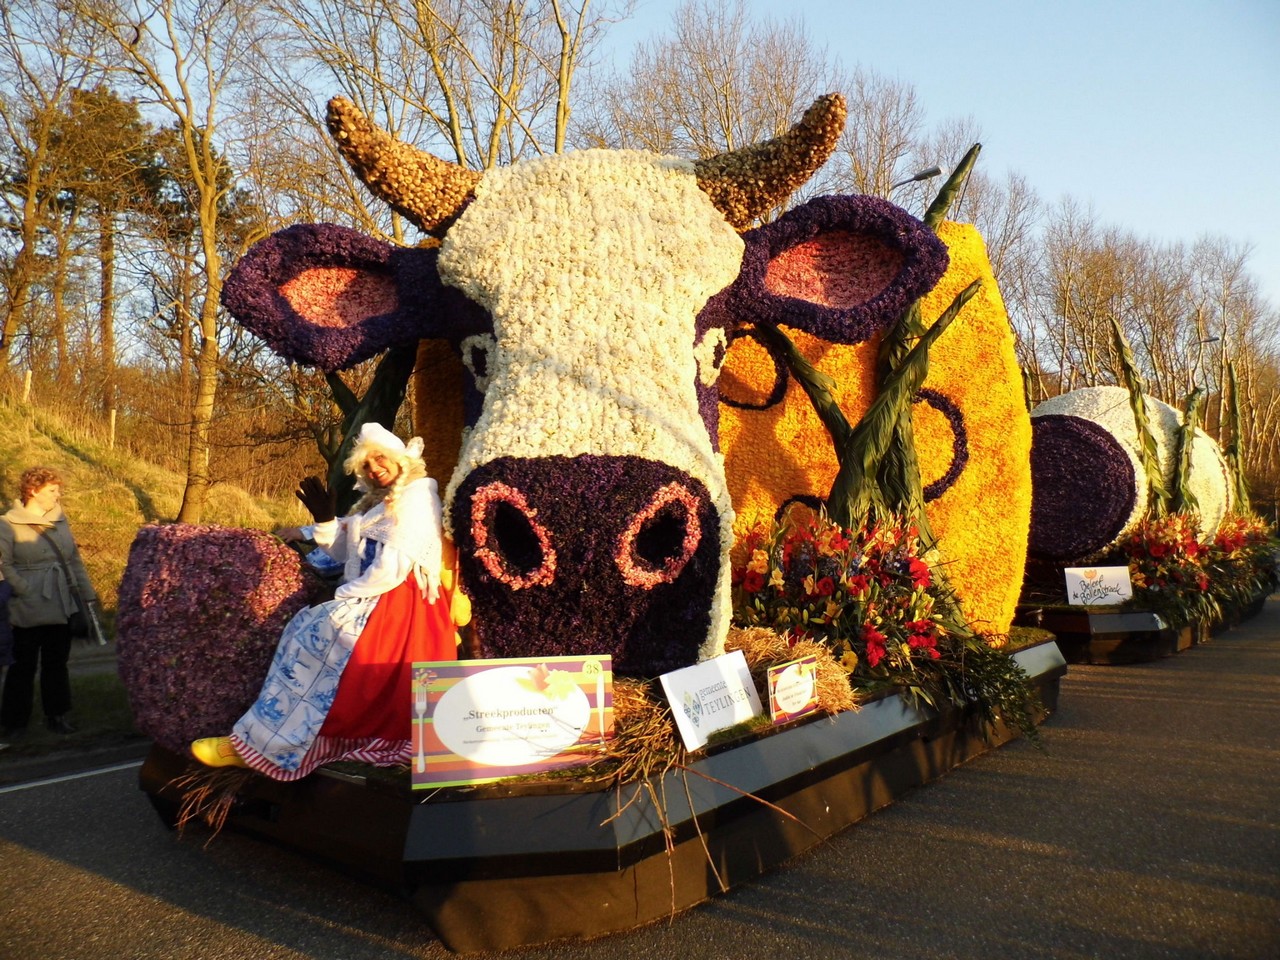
x,y
793,689
711,696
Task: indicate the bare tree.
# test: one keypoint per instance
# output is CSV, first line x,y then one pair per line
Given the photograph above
x,y
882,142
482,82
184,58
718,81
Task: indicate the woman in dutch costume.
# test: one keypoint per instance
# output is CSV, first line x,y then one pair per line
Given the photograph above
x,y
339,684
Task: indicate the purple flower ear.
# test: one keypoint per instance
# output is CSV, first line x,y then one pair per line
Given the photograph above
x,y
329,297
842,268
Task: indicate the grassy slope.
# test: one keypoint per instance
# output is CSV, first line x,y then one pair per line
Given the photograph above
x,y
108,494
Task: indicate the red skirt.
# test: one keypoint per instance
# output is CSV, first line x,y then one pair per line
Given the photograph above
x,y
374,698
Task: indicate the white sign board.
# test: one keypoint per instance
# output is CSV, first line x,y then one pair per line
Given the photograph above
x,y
1097,586
711,696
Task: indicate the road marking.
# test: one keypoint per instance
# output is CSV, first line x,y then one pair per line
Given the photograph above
x,y
71,776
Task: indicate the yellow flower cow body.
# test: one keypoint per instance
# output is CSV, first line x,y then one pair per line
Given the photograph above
x,y
972,430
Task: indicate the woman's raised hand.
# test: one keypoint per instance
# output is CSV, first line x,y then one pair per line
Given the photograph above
x,y
320,501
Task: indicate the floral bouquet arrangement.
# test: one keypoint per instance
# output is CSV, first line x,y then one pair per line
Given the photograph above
x,y
1168,568
1241,560
867,594
872,598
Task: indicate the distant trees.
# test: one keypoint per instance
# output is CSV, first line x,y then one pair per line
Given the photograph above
x,y
144,144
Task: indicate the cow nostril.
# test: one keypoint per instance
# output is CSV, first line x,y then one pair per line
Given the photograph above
x,y
513,536
513,546
661,538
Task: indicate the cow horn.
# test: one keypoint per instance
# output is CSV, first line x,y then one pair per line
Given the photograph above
x,y
429,191
746,183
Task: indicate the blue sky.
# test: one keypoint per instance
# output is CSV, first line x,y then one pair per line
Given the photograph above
x,y
1164,115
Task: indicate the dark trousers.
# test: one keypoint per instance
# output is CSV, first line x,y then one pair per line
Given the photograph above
x,y
45,648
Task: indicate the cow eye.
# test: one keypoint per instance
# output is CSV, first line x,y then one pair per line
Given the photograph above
x,y
710,353
477,353
661,538
513,546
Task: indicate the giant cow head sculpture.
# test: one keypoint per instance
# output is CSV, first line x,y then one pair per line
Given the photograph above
x,y
592,296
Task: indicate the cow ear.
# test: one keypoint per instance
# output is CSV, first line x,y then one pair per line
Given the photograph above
x,y
329,297
842,268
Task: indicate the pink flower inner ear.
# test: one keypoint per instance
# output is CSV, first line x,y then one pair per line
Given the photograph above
x,y
339,296
837,269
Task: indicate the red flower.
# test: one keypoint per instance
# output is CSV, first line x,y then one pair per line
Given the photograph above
x,y
918,641
752,582
875,644
825,587
919,573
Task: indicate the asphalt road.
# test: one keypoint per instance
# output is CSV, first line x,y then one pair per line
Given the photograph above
x,y
1149,826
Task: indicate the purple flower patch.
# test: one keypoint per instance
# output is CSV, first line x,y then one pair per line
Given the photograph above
x,y
1083,485
201,609
959,442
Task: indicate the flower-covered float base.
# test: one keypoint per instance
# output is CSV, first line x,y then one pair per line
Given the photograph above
x,y
1238,614
1183,591
1107,635
518,863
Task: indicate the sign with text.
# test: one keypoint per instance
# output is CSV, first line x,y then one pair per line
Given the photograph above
x,y
1097,586
477,721
711,696
793,689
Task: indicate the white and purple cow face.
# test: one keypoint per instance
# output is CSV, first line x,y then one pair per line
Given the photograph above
x,y
591,295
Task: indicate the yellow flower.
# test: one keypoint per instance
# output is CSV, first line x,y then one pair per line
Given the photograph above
x,y
775,578
849,661
759,562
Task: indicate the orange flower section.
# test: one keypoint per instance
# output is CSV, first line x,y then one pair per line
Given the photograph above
x,y
982,518
437,407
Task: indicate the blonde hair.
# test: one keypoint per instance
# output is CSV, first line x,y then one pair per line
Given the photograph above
x,y
408,459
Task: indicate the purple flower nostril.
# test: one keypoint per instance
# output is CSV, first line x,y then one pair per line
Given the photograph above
x,y
657,544
513,546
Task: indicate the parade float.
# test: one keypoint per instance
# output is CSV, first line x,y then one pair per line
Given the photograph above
x,y
794,455
1124,482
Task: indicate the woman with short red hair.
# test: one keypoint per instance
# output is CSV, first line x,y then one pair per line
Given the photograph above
x,y
41,562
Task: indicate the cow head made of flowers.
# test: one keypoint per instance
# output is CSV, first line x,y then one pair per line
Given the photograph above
x,y
591,296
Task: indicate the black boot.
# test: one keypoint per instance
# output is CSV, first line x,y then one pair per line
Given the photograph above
x,y
59,724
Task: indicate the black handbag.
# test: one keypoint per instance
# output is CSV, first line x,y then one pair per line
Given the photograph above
x,y
79,625
84,625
